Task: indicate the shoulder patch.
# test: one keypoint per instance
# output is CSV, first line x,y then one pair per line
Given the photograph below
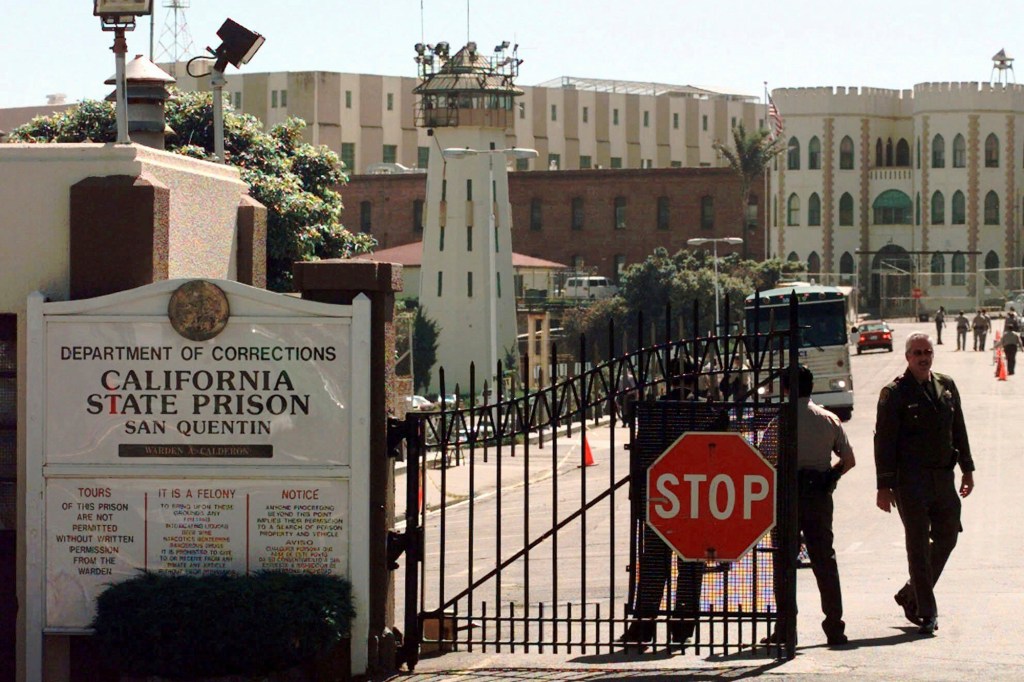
x,y
883,397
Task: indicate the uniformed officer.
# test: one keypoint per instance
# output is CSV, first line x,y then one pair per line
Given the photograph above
x,y
920,437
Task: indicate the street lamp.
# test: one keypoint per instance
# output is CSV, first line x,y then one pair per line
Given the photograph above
x,y
119,16
698,241
238,46
492,236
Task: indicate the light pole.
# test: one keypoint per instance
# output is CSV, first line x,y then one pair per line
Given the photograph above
x,y
492,233
119,16
698,241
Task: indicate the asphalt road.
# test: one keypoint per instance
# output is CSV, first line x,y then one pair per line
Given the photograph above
x,y
980,595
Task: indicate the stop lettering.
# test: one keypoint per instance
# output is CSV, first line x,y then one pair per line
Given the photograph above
x,y
711,496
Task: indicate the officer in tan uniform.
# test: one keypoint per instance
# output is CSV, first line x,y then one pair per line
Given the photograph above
x,y
920,437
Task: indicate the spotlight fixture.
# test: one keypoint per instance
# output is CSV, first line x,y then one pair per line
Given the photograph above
x,y
238,45
121,12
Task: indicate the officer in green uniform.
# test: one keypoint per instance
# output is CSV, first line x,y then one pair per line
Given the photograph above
x,y
920,437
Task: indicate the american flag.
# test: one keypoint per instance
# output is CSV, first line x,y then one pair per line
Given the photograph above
x,y
775,117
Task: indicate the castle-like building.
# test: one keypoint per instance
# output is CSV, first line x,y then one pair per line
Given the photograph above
x,y
907,193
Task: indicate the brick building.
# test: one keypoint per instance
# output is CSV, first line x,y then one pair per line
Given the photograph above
x,y
590,219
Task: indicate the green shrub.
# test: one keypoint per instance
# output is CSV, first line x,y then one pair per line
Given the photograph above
x,y
224,624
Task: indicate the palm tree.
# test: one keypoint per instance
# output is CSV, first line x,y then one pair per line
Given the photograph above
x,y
749,158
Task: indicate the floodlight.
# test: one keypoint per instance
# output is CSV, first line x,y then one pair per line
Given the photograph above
x,y
238,45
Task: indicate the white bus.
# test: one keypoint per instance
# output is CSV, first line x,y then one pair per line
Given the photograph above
x,y
824,346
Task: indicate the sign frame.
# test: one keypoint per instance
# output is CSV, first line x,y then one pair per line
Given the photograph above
x,y
149,305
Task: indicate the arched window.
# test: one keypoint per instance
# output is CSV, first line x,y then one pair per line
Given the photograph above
x,y
846,268
814,154
958,209
793,159
892,207
793,210
991,151
938,270
959,152
991,208
959,267
992,268
814,263
918,154
846,210
792,257
888,152
846,154
814,210
938,208
938,152
903,153
879,153
917,208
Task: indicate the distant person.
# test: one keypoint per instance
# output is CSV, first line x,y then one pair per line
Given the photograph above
x,y
920,436
980,326
962,325
1010,342
940,322
1012,321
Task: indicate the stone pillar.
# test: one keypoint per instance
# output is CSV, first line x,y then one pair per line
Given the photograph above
x,y
339,282
252,243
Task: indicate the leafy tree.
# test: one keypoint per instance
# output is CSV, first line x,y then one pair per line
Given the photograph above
x,y
293,179
749,158
425,333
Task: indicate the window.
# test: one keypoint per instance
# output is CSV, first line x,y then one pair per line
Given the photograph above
x,y
704,122
675,121
616,162
958,208
390,153
814,210
893,207
391,101
888,152
620,267
991,208
793,257
469,237
846,154
273,99
422,157
237,99
586,114
497,242
814,262
959,268
440,283
732,123
752,212
846,268
536,216
615,117
440,242
814,154
959,151
707,213
675,164
938,208
365,216
620,213
846,210
554,112
497,283
417,215
348,99
647,119
938,152
992,265
663,214
469,284
554,161
522,164
918,153
917,208
903,153
348,154
585,162
793,157
938,270
469,189
284,98
879,154
991,151
444,190
577,213
793,210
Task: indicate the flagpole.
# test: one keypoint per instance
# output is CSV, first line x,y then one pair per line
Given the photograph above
x,y
767,198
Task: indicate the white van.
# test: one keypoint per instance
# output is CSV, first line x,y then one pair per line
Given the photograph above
x,y
589,287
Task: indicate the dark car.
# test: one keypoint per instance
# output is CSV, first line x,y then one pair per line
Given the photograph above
x,y
871,335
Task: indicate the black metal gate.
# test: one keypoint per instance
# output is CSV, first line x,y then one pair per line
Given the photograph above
x,y
541,550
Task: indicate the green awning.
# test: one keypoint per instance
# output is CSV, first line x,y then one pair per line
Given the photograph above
x,y
892,198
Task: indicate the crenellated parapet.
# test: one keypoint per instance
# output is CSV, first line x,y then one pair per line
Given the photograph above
x,y
922,98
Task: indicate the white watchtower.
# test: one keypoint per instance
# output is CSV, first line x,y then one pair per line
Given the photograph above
x,y
467,100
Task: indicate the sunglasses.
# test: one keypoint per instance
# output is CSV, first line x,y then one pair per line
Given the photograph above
x,y
918,352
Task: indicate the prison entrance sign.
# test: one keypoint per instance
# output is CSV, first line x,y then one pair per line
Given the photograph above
x,y
193,427
711,496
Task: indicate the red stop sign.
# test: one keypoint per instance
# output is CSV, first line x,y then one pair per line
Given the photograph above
x,y
711,496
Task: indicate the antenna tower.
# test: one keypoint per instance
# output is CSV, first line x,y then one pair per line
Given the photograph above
x,y
175,38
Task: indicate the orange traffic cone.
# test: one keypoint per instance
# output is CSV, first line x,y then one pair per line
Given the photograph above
x,y
1000,366
588,456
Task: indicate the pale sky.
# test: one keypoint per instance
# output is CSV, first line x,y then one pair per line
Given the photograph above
x,y
56,46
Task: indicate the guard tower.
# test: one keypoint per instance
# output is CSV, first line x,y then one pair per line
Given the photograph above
x,y
466,279
1002,68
